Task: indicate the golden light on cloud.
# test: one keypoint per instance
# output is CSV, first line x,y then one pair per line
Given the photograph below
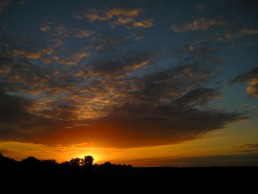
x,y
252,88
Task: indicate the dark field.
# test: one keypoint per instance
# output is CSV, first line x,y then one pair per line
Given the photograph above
x,y
124,180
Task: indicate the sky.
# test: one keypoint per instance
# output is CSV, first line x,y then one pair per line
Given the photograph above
x,y
150,83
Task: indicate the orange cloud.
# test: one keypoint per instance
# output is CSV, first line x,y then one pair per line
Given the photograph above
x,y
124,20
252,88
29,55
144,24
122,12
32,54
93,15
250,78
117,16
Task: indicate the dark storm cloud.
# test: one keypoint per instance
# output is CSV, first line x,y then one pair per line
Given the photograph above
x,y
17,123
250,78
108,103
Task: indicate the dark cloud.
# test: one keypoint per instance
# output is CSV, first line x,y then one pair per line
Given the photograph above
x,y
246,77
117,63
250,78
198,96
119,98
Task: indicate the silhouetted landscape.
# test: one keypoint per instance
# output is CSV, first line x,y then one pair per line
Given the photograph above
x,y
83,174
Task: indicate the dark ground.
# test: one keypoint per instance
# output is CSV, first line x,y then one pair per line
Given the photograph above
x,y
134,180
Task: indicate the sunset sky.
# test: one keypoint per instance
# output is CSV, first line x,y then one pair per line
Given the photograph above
x,y
145,82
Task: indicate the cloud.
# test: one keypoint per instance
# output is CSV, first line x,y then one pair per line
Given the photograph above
x,y
199,24
29,55
198,96
248,31
118,98
249,148
230,35
250,78
32,54
144,24
74,59
61,30
116,16
94,15
123,12
119,63
82,33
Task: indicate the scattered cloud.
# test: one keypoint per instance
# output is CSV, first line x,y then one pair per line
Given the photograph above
x,y
106,103
73,59
117,16
250,78
99,85
199,24
61,30
29,55
228,36
32,54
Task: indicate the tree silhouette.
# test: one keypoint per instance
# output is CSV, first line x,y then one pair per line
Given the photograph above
x,y
76,162
88,161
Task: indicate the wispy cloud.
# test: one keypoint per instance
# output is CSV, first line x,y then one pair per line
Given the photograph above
x,y
61,30
199,24
249,148
250,78
32,54
82,33
73,59
144,24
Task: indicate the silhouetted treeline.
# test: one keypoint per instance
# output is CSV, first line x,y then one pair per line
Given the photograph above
x,y
32,165
79,174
